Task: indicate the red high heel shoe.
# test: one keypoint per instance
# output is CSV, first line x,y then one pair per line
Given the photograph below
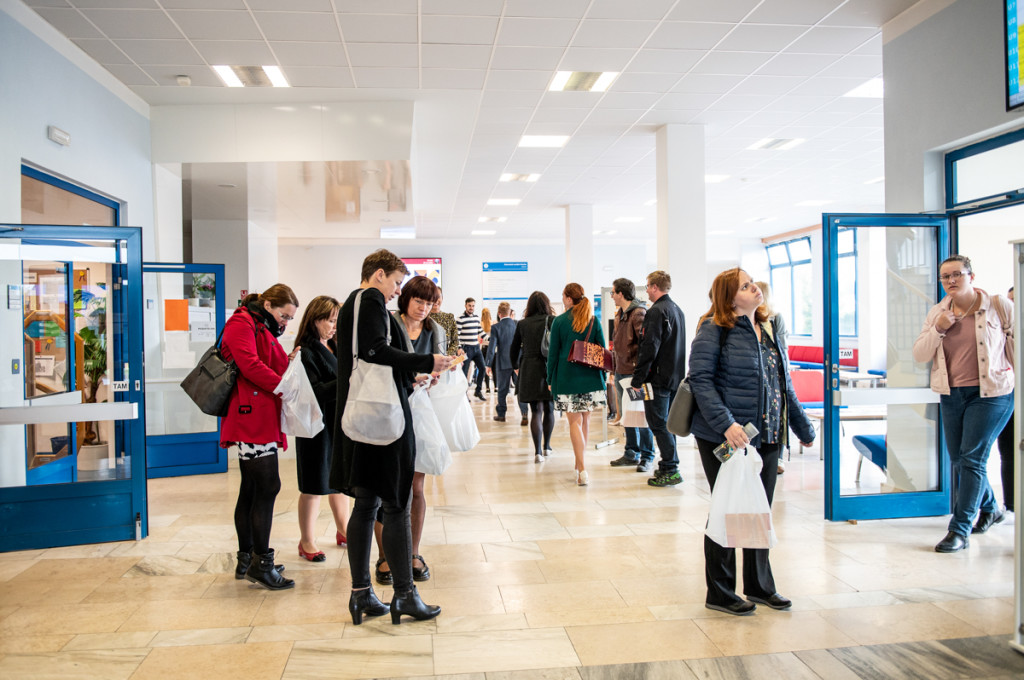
x,y
318,556
342,541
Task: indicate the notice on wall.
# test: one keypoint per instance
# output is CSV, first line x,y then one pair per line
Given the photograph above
x,y
175,315
202,325
505,282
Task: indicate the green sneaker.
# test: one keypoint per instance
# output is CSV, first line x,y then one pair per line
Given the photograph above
x,y
666,479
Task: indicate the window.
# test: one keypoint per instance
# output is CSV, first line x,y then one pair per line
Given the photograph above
x,y
846,245
792,283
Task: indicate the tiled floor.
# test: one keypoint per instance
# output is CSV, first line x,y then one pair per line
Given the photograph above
x,y
538,578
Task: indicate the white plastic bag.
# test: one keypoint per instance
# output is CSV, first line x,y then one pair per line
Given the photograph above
x,y
633,414
300,413
433,456
454,412
740,516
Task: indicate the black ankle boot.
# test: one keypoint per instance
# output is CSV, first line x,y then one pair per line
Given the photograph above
x,y
262,572
410,604
365,602
244,559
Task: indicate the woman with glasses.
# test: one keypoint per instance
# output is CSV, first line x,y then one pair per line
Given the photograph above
x,y
968,337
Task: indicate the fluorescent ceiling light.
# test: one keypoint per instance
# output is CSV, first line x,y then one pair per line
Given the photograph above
x,y
604,81
483,232
872,89
775,144
227,75
514,177
651,202
559,81
715,179
503,201
876,180
812,202
277,78
628,220
582,81
492,219
544,141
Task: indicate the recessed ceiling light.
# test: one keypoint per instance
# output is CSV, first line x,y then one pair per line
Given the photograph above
x,y
251,76
812,202
872,89
513,177
775,144
876,180
715,179
492,219
277,78
483,232
503,201
228,76
650,202
628,220
582,81
544,141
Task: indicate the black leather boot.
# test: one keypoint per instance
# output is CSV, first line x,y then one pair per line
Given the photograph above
x,y
410,604
365,602
244,558
262,572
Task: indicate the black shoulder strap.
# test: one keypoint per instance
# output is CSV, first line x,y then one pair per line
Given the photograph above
x,y
723,334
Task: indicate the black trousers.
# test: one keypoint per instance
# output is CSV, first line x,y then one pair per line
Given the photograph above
x,y
474,356
719,562
396,539
1006,453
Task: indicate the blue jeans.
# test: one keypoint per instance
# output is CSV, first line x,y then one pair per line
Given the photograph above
x,y
639,440
656,411
970,424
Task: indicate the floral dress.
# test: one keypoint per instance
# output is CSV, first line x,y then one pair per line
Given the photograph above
x,y
771,393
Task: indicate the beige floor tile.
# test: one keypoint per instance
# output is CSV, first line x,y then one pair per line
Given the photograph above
x,y
302,631
582,617
186,614
512,552
905,623
873,598
151,589
657,591
480,601
11,568
88,551
992,616
70,618
561,596
258,661
505,651
110,641
201,636
381,657
48,591
755,666
470,623
607,566
71,569
473,574
34,644
301,608
115,664
768,632
635,642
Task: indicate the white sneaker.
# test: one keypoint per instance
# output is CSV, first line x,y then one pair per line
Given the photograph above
x,y
581,478
538,458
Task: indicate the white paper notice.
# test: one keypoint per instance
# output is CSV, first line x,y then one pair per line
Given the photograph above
x,y
176,352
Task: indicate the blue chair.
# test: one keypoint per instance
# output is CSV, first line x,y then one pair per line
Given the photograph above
x,y
872,447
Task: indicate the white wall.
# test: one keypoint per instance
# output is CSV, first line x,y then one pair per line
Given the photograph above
x,y
224,242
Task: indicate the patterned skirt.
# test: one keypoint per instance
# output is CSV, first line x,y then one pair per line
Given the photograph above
x,y
580,403
248,451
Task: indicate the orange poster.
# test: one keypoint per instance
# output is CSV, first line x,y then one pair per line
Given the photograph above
x,y
175,315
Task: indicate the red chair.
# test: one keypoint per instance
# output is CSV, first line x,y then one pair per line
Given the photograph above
x,y
809,385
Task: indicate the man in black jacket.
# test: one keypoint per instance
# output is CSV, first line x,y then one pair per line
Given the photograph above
x,y
661,361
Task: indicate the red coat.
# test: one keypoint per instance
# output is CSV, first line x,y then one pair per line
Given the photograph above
x,y
254,412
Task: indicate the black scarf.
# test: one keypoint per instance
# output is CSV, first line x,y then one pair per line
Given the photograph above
x,y
260,313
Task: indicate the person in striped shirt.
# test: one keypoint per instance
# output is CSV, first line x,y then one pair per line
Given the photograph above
x,y
470,331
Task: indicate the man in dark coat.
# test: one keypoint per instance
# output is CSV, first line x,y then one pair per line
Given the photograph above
x,y
629,324
661,361
498,357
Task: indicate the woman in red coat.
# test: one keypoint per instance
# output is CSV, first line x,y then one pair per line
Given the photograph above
x,y
253,424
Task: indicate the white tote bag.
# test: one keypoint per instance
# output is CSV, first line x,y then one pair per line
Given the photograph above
x,y
740,516
373,412
300,413
633,414
454,411
433,456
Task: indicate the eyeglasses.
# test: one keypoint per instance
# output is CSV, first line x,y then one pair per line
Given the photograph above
x,y
952,276
284,317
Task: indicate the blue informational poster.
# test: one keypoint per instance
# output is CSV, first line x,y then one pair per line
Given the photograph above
x,y
1014,64
506,282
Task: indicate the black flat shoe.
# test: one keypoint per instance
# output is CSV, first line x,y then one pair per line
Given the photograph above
x,y
986,520
410,604
953,542
420,573
365,602
385,578
742,608
776,601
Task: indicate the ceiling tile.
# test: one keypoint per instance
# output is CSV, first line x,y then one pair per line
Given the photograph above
x,y
797,12
459,30
615,116
217,25
116,4
132,23
732,11
375,6
736,63
855,66
616,9
401,55
688,35
160,51
387,77
628,100
797,64
239,52
741,102
688,100
47,3
613,33
536,32
130,75
832,39
203,4
872,13
309,54
291,5
825,86
645,82
529,58
518,80
506,114
299,26
324,76
872,46
491,127
453,79
378,28
545,8
569,117
455,56
584,100
201,76
462,7
707,84
759,84
762,38
509,99
69,22
102,50
596,59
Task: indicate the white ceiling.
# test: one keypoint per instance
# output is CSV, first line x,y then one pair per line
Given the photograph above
x,y
746,69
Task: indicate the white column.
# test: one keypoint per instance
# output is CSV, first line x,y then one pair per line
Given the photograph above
x,y
579,247
682,234
167,215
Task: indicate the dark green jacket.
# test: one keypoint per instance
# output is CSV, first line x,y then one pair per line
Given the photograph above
x,y
564,377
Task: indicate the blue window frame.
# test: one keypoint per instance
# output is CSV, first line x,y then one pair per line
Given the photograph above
x,y
1003,195
29,171
792,278
846,247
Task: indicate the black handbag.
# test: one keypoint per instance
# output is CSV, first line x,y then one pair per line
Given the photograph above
x,y
545,340
211,382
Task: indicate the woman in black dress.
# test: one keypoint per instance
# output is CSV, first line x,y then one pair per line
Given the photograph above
x,y
532,388
313,456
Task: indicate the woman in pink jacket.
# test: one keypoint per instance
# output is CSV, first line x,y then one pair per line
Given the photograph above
x,y
968,337
253,424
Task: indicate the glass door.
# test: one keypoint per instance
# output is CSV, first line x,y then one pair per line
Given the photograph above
x,y
184,313
881,432
71,401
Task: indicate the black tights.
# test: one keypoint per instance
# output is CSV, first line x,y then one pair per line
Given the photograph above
x,y
396,539
254,511
548,409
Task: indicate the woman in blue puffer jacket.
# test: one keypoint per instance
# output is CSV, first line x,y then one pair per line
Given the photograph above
x,y
738,376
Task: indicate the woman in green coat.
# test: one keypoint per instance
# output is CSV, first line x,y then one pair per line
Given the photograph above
x,y
577,389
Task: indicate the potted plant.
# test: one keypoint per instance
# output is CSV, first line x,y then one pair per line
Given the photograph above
x,y
94,350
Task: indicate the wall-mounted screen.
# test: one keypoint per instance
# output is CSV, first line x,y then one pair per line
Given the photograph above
x,y
1014,96
423,266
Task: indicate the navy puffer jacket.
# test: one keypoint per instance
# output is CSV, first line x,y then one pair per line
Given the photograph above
x,y
726,382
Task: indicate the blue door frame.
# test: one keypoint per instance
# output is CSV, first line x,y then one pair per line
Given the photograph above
x,y
197,453
877,506
49,515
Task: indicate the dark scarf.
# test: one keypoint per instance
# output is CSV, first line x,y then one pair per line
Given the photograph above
x,y
261,314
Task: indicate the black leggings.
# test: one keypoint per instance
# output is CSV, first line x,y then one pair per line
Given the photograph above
x,y
548,409
254,511
397,539
1006,458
